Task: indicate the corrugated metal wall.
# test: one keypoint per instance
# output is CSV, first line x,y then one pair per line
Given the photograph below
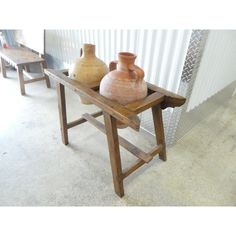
x,y
161,53
217,68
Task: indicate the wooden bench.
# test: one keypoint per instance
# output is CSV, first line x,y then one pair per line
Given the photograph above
x,y
21,58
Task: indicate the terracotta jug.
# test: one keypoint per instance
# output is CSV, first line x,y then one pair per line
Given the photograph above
x,y
88,68
125,83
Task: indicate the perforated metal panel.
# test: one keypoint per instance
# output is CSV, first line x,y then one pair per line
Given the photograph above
x,y
217,68
190,69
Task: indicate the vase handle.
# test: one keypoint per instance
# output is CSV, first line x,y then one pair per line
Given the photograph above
x,y
112,65
138,71
81,52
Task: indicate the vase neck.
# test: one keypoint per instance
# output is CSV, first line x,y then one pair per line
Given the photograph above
x,y
126,61
89,50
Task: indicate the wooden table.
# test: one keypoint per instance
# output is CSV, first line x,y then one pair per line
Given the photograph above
x,y
112,111
21,58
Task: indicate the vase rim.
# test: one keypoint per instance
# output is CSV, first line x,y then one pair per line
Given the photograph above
x,y
89,45
127,54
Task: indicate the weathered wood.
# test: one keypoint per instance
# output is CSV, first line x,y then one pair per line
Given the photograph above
x,y
93,85
170,99
156,150
131,169
3,68
157,99
26,68
159,130
44,66
114,151
33,75
62,112
19,56
82,120
99,125
122,141
147,102
115,109
21,79
33,80
135,150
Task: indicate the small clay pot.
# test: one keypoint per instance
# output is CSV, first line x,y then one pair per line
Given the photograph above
x,y
88,68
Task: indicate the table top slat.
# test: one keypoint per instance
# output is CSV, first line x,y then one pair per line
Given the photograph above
x,y
171,99
19,56
145,103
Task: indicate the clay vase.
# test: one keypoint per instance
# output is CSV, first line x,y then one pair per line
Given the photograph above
x,y
88,68
124,83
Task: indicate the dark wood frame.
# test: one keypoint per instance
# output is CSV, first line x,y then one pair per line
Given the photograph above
x,y
112,111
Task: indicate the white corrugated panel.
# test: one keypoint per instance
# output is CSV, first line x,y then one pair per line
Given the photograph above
x,y
160,53
217,68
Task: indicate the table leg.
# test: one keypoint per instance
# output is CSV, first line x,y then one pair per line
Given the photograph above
x,y
44,65
62,112
27,68
159,130
3,68
21,79
114,151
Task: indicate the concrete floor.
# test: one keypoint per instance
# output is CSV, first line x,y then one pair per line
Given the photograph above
x,y
36,169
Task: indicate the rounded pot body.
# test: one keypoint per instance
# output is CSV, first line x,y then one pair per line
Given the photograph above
x,y
124,83
88,68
